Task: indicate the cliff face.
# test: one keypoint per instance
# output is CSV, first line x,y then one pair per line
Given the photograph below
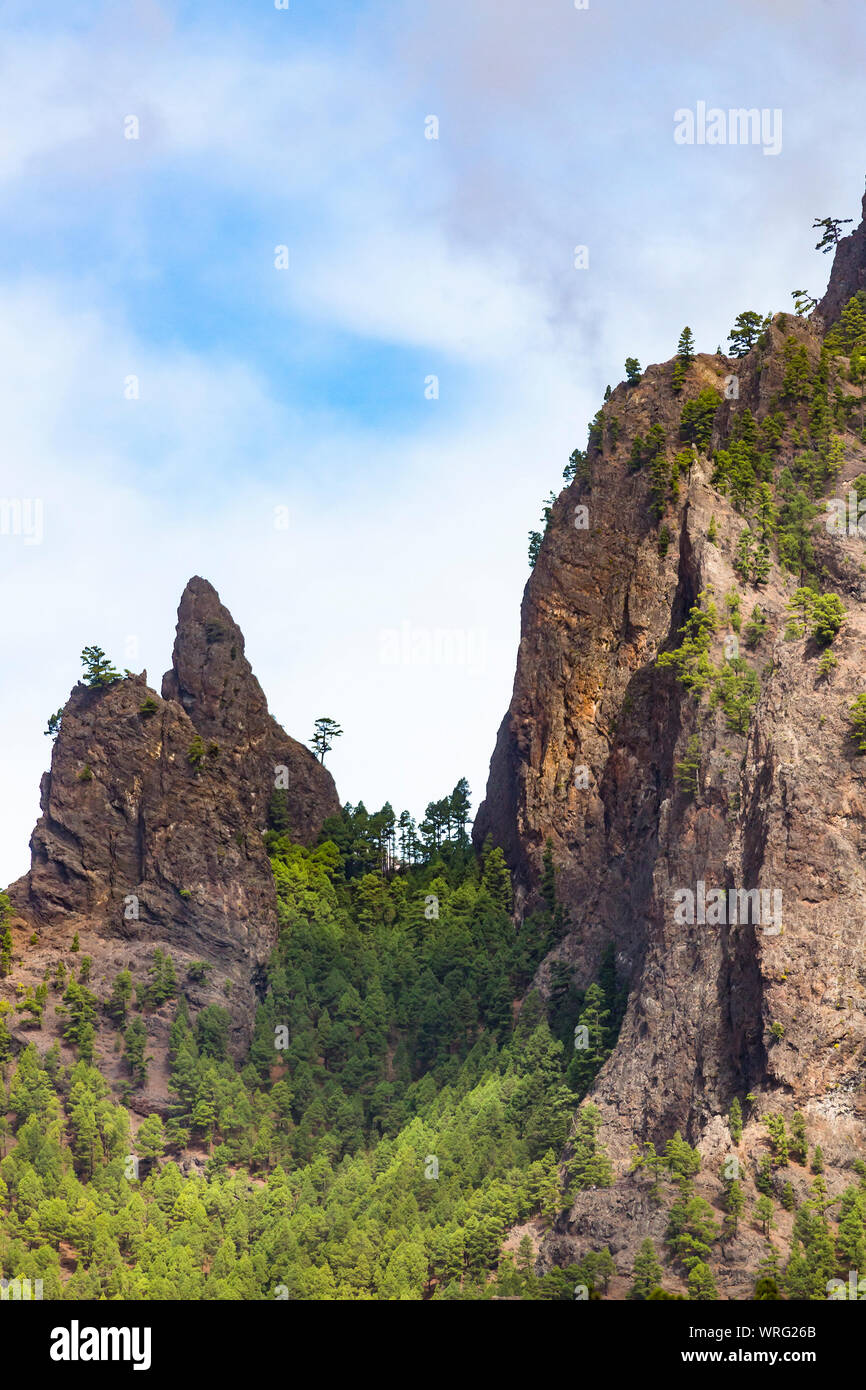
x,y
152,818
586,757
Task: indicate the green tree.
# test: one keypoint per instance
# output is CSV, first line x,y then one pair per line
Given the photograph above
x,y
830,233
98,670
702,1285
691,1228
632,371
686,346
212,1031
135,1040
589,1165
325,732
747,328
646,1271
828,615
756,627
150,1139
590,1050
857,720
119,1000
764,1213
698,417
804,302
687,772
735,1203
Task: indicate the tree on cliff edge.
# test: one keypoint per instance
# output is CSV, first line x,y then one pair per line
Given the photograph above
x,y
325,731
98,670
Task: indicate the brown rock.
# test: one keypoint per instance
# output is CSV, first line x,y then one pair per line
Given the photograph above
x,y
153,814
586,757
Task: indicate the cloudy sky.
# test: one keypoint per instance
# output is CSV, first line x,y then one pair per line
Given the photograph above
x,y
182,397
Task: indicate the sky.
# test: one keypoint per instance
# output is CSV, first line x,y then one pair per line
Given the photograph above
x,y
289,299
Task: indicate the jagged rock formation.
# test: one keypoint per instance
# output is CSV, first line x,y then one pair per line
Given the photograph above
x,y
153,813
587,754
213,681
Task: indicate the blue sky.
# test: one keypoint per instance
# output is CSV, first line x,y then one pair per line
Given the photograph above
x,y
304,388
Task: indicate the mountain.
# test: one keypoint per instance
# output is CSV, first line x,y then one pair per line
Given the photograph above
x,y
256,1045
731,765
153,812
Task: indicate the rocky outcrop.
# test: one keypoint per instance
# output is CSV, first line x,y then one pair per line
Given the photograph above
x,y
588,753
213,681
153,814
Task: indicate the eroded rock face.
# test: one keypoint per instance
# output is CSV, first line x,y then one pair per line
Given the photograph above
x,y
153,813
586,757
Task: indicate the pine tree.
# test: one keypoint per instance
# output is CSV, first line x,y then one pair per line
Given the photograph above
x,y
849,333
747,328
831,235
98,670
828,615
326,730
150,1139
135,1039
589,1165
646,1271
743,553
702,1285
686,347
735,1203
799,1147
526,1255
632,371
764,1213
761,564
589,1060
119,1000
459,807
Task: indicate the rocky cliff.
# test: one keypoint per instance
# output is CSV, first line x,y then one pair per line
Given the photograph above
x,y
152,821
647,788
